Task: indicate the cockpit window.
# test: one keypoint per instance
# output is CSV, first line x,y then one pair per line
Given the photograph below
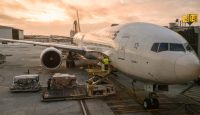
x,y
159,47
188,47
155,47
176,47
163,47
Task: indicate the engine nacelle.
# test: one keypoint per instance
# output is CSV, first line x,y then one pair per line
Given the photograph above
x,y
51,58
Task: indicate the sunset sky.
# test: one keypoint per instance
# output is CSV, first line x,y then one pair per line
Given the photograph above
x,y
55,17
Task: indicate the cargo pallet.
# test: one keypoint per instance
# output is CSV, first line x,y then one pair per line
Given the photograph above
x,y
65,87
24,90
25,83
73,93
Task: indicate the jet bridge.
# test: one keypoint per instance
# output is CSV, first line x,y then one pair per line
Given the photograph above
x,y
191,34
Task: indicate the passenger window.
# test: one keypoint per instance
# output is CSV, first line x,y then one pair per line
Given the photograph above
x,y
176,47
163,47
155,47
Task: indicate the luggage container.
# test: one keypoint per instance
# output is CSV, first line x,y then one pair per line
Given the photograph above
x,y
65,87
25,83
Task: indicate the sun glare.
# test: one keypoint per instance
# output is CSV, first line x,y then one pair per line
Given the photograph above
x,y
49,13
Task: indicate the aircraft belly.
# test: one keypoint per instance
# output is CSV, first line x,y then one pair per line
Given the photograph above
x,y
147,69
132,70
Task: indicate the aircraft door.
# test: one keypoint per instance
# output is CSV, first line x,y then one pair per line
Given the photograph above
x,y
121,51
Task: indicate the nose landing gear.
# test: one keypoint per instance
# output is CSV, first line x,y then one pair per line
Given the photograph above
x,y
151,102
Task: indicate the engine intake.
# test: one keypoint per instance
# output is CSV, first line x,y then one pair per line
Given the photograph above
x,y
51,58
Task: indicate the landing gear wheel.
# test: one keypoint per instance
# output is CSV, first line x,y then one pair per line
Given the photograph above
x,y
197,81
155,104
151,102
70,63
147,103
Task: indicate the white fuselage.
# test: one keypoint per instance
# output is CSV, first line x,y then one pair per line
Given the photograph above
x,y
129,48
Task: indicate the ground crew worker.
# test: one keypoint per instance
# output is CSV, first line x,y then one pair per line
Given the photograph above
x,y
106,62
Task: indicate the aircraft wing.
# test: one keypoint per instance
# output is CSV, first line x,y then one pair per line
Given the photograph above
x,y
73,48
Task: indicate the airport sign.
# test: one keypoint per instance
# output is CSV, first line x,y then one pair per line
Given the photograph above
x,y
190,18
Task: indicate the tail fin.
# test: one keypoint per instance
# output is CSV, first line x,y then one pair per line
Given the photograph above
x,y
78,22
76,26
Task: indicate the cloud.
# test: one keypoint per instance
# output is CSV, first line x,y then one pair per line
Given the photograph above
x,y
6,17
37,16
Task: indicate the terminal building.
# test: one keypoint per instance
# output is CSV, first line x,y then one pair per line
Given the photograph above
x,y
11,33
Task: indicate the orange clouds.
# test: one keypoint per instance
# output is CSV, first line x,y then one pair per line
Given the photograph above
x,y
56,16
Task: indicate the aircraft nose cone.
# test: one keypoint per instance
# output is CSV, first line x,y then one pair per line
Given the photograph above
x,y
187,68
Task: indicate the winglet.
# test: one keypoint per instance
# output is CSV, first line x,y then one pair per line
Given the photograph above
x,y
76,26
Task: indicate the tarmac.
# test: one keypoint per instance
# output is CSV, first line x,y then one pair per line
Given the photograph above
x,y
21,57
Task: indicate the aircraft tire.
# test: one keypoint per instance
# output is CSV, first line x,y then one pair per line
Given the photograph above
x,y
70,63
147,103
155,104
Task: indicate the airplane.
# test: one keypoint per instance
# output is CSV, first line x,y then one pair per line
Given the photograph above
x,y
146,52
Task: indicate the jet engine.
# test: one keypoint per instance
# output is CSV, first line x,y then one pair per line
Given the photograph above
x,y
51,58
